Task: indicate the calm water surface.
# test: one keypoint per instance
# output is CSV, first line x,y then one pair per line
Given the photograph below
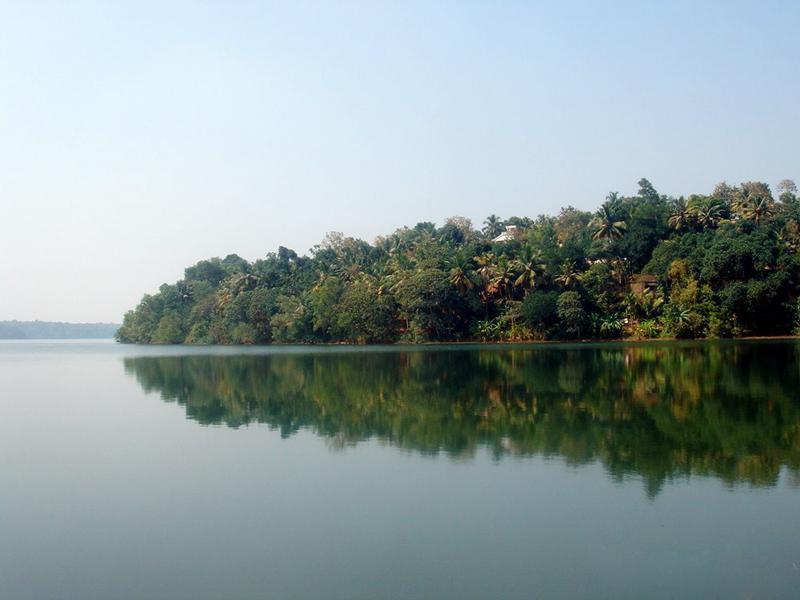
x,y
596,471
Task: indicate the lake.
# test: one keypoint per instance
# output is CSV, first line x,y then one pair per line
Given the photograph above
x,y
655,470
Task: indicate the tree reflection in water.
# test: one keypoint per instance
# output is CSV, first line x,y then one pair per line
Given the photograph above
x,y
659,411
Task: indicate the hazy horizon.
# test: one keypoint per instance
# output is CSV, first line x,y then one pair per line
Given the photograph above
x,y
140,138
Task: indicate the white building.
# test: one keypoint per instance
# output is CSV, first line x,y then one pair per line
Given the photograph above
x,y
512,232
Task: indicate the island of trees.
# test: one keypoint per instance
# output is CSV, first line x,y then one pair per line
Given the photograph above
x,y
645,266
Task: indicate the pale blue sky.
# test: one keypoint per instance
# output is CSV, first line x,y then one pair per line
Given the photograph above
x,y
137,138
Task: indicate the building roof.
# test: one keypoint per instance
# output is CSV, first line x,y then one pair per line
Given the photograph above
x,y
512,232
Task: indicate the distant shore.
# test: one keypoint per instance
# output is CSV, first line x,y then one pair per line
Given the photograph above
x,y
55,330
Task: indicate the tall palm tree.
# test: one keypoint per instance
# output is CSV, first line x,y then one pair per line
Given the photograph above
x,y
461,274
606,225
503,279
568,276
493,226
528,267
707,214
486,264
393,274
681,217
755,208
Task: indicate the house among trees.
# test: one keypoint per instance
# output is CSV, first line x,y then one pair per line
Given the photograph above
x,y
641,283
512,232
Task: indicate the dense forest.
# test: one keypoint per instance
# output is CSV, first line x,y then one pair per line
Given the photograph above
x,y
50,330
644,266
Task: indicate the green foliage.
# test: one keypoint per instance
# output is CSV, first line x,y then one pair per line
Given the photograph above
x,y
571,315
645,305
691,247
169,330
243,333
649,328
607,326
292,320
364,314
609,222
431,306
487,330
716,265
539,310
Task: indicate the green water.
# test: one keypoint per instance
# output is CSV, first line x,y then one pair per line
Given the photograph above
x,y
598,471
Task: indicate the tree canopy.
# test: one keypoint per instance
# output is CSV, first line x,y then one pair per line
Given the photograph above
x,y
720,264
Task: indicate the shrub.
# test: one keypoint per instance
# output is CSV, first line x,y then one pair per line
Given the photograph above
x,y
571,314
243,333
650,328
540,311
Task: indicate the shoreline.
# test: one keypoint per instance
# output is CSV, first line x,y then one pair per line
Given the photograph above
x,y
581,341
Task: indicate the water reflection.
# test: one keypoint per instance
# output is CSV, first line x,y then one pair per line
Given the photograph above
x,y
729,410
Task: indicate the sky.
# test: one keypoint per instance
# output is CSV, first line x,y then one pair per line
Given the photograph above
x,y
137,138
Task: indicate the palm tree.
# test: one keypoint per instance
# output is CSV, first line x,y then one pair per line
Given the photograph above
x,y
347,271
493,226
606,225
755,208
461,274
383,273
393,274
645,305
707,214
528,267
503,278
682,216
486,264
569,275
